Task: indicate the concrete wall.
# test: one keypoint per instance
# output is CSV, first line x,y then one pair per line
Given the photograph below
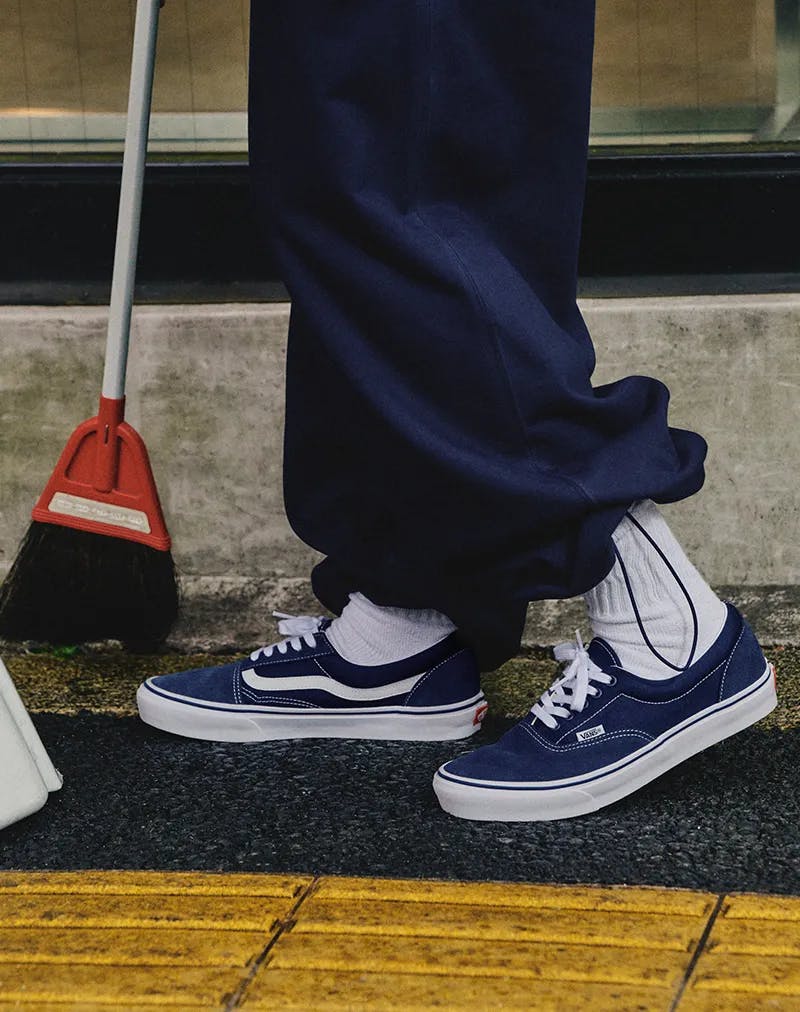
x,y
206,392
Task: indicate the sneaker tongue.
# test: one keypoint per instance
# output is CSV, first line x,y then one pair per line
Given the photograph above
x,y
603,655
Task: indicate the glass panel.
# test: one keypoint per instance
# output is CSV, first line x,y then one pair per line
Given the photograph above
x,y
667,71
64,75
696,71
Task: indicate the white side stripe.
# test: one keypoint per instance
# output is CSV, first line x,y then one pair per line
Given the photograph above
x,y
307,682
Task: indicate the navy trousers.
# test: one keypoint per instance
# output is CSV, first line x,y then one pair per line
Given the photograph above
x,y
419,166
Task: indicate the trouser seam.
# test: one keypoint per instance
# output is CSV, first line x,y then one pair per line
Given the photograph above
x,y
471,287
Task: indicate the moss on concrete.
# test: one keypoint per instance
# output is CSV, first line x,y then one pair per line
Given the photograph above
x,y
98,682
513,688
106,682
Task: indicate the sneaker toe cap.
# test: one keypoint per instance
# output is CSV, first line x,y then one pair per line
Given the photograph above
x,y
209,684
512,759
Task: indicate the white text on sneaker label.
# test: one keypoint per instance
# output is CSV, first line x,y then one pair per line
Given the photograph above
x,y
590,732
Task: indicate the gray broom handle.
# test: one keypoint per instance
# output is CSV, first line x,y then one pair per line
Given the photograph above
x,y
130,202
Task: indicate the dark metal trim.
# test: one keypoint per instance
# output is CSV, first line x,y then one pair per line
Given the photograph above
x,y
692,214
662,213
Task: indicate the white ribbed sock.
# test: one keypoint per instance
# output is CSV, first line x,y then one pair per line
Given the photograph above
x,y
370,634
662,606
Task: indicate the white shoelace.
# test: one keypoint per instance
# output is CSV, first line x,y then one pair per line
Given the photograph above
x,y
301,628
568,694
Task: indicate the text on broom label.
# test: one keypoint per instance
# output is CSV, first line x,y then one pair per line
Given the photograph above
x,y
99,512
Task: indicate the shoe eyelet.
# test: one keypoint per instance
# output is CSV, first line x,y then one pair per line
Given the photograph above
x,y
598,694
569,716
613,680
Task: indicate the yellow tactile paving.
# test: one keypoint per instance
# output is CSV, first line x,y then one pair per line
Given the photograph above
x,y
129,947
754,907
515,894
382,944
386,992
710,1001
755,938
90,1006
132,941
526,924
95,1006
765,974
474,958
202,988
751,959
152,883
66,910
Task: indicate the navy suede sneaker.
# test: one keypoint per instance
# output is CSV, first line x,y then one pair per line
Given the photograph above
x,y
600,732
301,688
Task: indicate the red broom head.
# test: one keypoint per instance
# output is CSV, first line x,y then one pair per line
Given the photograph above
x,y
103,483
86,570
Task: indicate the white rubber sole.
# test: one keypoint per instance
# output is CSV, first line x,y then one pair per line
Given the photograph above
x,y
488,801
221,722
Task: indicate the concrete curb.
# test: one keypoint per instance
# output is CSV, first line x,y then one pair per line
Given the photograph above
x,y
235,613
206,392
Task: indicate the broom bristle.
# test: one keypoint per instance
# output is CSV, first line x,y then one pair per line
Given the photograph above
x,y
69,586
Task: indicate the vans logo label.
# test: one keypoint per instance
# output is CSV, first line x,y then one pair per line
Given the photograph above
x,y
590,732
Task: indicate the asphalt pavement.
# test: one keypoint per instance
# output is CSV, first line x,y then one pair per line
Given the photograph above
x,y
136,798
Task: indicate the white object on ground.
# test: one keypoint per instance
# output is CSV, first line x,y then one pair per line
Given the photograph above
x,y
26,773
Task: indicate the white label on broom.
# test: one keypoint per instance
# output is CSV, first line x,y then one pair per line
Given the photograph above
x,y
99,512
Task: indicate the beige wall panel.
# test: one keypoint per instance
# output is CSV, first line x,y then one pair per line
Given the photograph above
x,y
105,40
246,27
726,31
668,48
173,84
726,52
765,52
49,36
615,88
13,89
616,58
216,52
727,84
